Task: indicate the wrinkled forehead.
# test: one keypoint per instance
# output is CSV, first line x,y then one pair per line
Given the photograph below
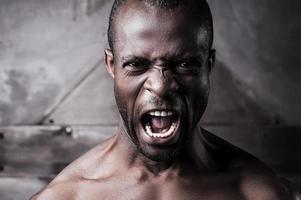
x,y
137,20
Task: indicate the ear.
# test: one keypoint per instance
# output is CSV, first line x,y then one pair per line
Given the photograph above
x,y
211,59
109,60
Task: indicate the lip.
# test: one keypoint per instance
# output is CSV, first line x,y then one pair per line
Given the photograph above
x,y
172,139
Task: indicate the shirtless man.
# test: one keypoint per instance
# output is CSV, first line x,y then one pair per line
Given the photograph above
x,y
160,58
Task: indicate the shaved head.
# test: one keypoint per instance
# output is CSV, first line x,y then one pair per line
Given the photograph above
x,y
198,9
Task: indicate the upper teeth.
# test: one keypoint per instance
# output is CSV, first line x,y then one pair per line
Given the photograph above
x,y
160,113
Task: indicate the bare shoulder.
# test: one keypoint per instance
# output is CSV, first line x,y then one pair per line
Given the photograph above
x,y
264,185
66,183
57,191
256,180
85,166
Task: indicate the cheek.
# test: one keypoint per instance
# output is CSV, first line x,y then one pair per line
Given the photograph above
x,y
197,92
197,87
122,95
121,101
203,83
201,96
127,90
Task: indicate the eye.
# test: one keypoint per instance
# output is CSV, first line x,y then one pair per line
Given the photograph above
x,y
188,67
136,66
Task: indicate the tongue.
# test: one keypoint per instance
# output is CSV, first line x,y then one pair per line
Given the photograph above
x,y
160,123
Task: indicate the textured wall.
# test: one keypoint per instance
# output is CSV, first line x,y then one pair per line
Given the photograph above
x,y
46,49
51,67
259,42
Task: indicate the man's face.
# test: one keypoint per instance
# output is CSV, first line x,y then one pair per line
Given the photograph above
x,y
160,70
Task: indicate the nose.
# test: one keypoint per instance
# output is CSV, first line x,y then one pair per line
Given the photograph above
x,y
161,82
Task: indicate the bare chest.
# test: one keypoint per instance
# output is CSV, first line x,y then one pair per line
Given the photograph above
x,y
125,190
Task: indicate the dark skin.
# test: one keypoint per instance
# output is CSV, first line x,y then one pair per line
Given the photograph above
x,y
156,67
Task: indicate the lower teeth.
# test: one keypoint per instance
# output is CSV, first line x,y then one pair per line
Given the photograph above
x,y
164,133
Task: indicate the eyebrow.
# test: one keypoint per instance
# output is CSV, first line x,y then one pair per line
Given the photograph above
x,y
174,58
134,59
189,56
131,58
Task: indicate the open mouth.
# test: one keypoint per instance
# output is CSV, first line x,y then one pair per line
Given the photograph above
x,y
160,123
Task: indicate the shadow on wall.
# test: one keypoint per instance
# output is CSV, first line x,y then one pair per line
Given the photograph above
x,y
259,43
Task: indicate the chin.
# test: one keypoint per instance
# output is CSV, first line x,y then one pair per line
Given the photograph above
x,y
166,154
